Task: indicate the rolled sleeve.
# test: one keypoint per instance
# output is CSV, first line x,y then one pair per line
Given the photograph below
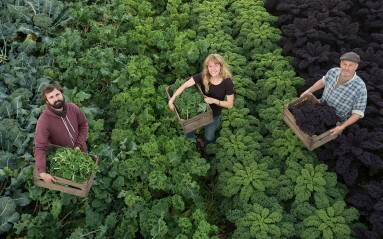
x,y
358,112
323,80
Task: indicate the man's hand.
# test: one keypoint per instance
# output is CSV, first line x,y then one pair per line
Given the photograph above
x,y
77,148
47,177
305,93
337,130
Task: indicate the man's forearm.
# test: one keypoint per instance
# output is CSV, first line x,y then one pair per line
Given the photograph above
x,y
318,85
339,129
353,118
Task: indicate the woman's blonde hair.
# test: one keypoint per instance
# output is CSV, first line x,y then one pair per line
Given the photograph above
x,y
215,59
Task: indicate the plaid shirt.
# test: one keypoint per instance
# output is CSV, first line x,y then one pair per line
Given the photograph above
x,y
349,98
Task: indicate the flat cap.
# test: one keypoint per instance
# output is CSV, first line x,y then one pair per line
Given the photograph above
x,y
351,56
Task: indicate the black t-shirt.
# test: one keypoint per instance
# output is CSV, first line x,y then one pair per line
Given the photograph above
x,y
226,87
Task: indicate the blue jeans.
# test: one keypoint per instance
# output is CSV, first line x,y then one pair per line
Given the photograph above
x,y
209,134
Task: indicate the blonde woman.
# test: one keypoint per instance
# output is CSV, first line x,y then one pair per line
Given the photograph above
x,y
218,88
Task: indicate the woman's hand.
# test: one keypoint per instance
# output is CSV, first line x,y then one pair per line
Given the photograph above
x,y
210,100
179,91
171,105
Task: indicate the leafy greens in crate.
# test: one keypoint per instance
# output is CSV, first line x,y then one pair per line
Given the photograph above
x,y
190,103
71,164
315,119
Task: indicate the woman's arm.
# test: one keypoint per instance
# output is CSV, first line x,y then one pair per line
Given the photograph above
x,y
228,103
179,91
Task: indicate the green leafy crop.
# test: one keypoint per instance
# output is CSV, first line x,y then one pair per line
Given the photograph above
x,y
264,223
246,179
330,223
190,103
8,214
71,164
42,20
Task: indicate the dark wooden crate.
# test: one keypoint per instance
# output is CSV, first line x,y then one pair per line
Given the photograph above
x,y
65,185
311,142
196,122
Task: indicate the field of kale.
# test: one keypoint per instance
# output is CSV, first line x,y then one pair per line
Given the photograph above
x,y
315,38
115,58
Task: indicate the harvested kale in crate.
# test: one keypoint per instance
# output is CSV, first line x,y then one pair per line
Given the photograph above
x,y
310,141
190,103
194,115
71,164
315,119
64,184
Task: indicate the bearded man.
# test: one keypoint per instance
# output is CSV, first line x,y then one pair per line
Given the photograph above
x,y
60,124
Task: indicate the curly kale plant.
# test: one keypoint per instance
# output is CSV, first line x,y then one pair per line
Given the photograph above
x,y
247,178
353,152
369,201
238,143
315,119
310,180
279,82
263,223
304,182
157,222
329,223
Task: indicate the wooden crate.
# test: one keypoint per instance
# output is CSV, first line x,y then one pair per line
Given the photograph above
x,y
196,122
65,185
311,142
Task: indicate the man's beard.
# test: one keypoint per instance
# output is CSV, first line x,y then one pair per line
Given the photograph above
x,y
59,104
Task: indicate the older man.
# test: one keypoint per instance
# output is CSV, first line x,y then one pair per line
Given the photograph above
x,y
344,90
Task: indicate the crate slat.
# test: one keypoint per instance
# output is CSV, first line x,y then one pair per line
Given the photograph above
x,y
65,185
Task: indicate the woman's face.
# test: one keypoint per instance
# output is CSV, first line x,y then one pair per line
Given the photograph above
x,y
214,69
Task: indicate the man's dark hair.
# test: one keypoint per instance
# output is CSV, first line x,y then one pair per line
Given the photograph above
x,y
48,89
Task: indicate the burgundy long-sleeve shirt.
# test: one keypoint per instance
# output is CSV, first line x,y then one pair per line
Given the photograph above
x,y
67,129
